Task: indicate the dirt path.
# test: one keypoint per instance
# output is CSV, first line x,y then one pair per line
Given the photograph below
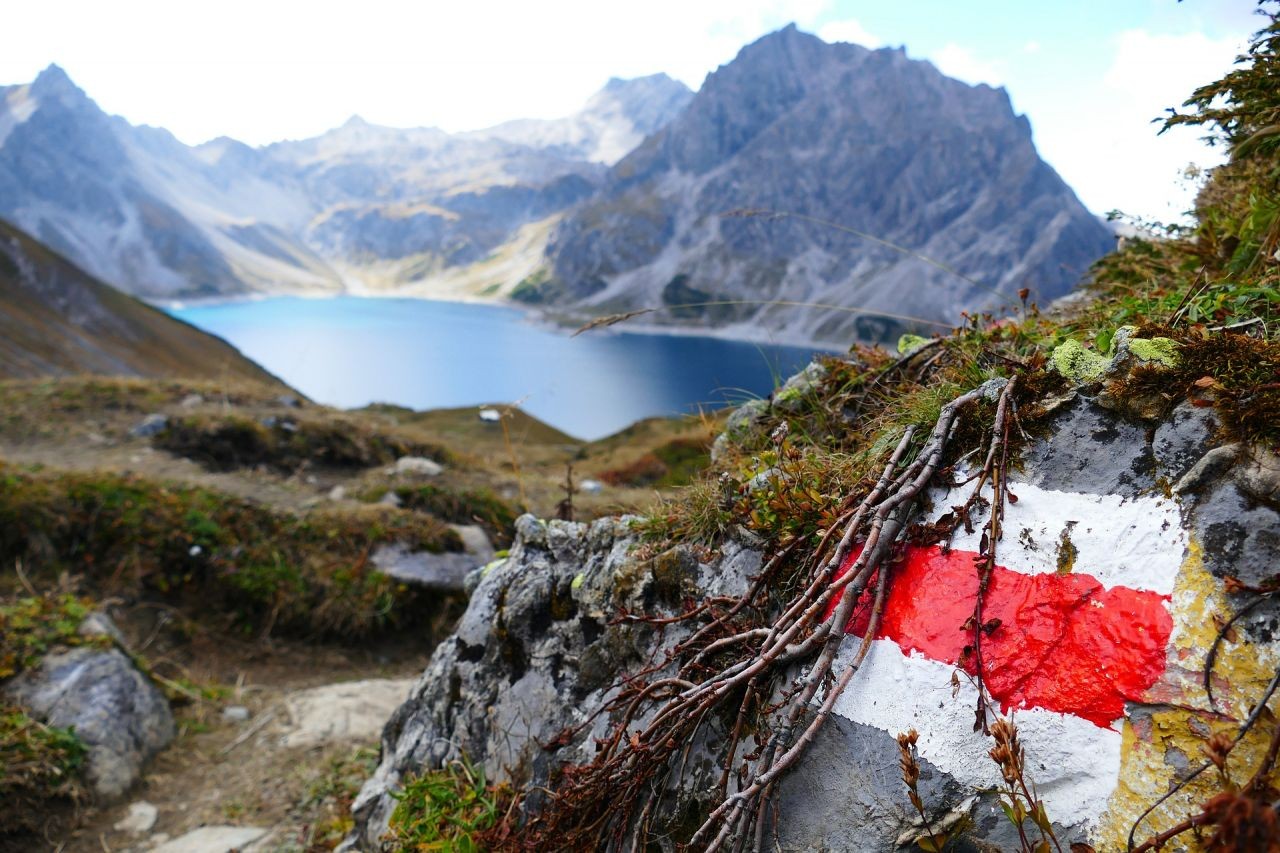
x,y
256,754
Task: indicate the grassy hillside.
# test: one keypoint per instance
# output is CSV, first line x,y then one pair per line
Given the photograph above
x,y
56,319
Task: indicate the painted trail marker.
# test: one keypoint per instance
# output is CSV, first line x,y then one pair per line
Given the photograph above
x,y
1082,591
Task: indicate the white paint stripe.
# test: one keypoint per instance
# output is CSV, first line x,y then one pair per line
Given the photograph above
x,y
1133,542
1073,764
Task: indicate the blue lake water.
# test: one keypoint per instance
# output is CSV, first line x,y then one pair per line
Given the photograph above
x,y
351,351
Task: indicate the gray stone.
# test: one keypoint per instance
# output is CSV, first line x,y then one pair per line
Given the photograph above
x,y
1209,467
738,425
531,652
446,572
791,396
1240,535
288,401
1090,450
100,625
849,776
1259,475
390,499
540,650
418,466
117,712
1182,439
191,401
212,839
141,817
338,493
474,540
235,714
149,426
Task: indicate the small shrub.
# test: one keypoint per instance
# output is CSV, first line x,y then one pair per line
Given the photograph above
x,y
31,626
224,443
265,568
447,810
468,506
39,769
676,463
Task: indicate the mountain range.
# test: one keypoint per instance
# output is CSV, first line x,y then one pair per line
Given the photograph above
x,y
936,200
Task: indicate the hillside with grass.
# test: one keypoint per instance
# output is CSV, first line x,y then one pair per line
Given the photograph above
x,y
56,319
247,545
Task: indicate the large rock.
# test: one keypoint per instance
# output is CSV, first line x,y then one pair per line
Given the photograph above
x,y
1108,589
115,710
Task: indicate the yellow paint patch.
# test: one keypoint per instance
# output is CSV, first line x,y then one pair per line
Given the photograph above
x,y
1164,739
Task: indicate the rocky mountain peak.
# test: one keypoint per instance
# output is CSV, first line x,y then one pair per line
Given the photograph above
x,y
53,82
867,139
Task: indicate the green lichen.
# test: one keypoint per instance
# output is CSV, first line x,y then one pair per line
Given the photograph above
x,y
1073,361
491,565
1163,351
576,583
907,343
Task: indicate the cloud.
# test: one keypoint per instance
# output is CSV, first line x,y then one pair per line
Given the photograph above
x,y
1106,145
959,62
849,30
1032,46
1150,67
288,68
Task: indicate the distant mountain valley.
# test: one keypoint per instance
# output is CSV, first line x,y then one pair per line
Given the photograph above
x,y
617,207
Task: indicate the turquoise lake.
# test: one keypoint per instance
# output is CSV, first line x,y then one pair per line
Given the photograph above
x,y
352,351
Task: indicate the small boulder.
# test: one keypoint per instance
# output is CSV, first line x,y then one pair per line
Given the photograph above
x,y
338,493
442,572
235,714
119,715
475,541
490,416
141,817
419,466
149,426
191,401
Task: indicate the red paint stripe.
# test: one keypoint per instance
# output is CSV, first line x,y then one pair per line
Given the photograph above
x,y
1065,642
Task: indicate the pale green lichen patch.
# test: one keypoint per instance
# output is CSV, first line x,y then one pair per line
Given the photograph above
x,y
907,343
1073,361
1163,351
576,583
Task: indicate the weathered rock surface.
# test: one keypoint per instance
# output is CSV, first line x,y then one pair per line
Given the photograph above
x,y
116,711
1108,697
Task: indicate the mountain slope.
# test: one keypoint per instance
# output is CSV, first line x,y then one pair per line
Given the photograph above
x,y
55,319
134,207
869,140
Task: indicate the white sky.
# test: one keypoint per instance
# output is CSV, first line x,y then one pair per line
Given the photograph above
x,y
1090,74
